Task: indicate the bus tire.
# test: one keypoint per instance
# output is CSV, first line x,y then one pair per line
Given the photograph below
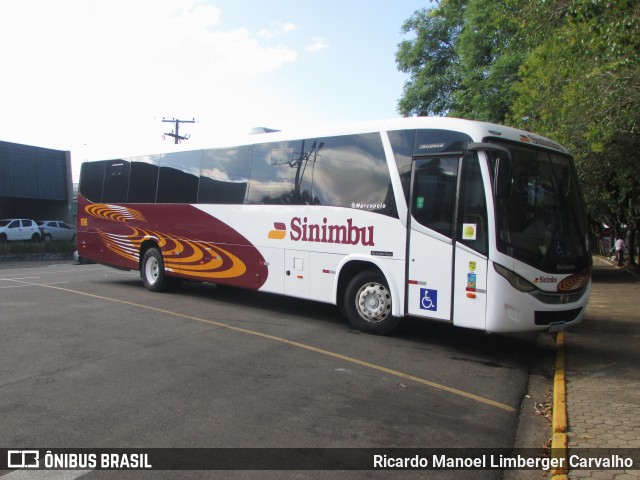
x,y
367,303
152,271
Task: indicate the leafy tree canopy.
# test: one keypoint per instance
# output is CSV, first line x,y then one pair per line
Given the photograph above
x,y
568,69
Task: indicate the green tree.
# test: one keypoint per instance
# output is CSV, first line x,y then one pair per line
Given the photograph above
x,y
491,47
581,86
431,59
464,59
568,69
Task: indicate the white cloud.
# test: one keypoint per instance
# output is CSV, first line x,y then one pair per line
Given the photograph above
x,y
317,44
277,30
104,72
288,27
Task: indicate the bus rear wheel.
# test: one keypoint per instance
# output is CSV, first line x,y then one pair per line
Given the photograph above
x,y
367,303
153,273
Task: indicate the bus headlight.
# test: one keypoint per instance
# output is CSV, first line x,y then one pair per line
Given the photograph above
x,y
514,279
577,281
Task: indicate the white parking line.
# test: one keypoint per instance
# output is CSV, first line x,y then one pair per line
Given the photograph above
x,y
79,270
17,278
75,270
45,474
352,360
13,286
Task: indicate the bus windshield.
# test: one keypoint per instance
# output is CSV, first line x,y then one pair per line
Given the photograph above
x,y
542,222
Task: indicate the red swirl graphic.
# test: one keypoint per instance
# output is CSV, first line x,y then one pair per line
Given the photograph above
x,y
190,258
114,212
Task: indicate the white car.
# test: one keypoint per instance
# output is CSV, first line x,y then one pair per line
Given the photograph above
x,y
19,229
57,230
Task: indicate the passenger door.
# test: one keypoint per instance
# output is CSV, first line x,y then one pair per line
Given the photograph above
x,y
471,248
14,231
447,243
430,244
26,230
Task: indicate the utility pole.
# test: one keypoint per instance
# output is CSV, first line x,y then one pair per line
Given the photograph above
x,y
175,134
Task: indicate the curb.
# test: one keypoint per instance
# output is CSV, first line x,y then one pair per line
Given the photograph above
x,y
559,442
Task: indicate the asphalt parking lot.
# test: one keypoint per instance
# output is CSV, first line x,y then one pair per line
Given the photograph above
x,y
89,358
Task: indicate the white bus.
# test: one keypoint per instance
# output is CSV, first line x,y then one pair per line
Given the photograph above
x,y
471,223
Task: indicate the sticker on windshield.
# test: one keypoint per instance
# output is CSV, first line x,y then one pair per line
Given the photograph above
x,y
420,202
469,231
560,248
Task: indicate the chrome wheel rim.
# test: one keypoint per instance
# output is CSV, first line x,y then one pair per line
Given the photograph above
x,y
373,302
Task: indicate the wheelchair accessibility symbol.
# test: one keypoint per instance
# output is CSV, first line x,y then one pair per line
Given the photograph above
x,y
428,299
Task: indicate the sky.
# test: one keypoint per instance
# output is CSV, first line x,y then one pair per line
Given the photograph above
x,y
97,77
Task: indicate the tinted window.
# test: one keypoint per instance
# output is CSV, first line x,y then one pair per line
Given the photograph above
x,y
351,171
15,224
434,193
179,177
280,174
472,220
402,142
541,222
225,175
91,179
143,179
426,142
116,181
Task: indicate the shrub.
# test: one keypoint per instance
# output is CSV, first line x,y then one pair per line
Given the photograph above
x,y
17,248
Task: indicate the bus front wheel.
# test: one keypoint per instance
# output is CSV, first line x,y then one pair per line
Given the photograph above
x,y
367,303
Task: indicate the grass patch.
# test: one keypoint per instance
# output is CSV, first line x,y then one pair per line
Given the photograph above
x,y
18,248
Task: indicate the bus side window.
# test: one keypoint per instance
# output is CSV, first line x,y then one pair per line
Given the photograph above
x,y
224,178
276,177
402,142
92,180
351,171
143,179
116,181
179,177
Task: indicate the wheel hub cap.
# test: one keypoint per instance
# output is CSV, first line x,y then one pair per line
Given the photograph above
x,y
373,302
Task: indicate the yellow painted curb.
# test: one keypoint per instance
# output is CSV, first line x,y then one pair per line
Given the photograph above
x,y
559,421
559,446
559,442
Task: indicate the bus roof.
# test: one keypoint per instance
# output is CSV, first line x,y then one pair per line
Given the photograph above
x,y
478,131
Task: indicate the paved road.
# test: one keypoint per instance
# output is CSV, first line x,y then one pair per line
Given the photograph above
x,y
603,377
89,358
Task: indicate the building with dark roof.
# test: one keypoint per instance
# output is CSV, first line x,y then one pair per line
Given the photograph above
x,y
35,183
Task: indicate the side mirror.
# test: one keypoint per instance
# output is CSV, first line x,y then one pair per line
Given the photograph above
x,y
502,173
